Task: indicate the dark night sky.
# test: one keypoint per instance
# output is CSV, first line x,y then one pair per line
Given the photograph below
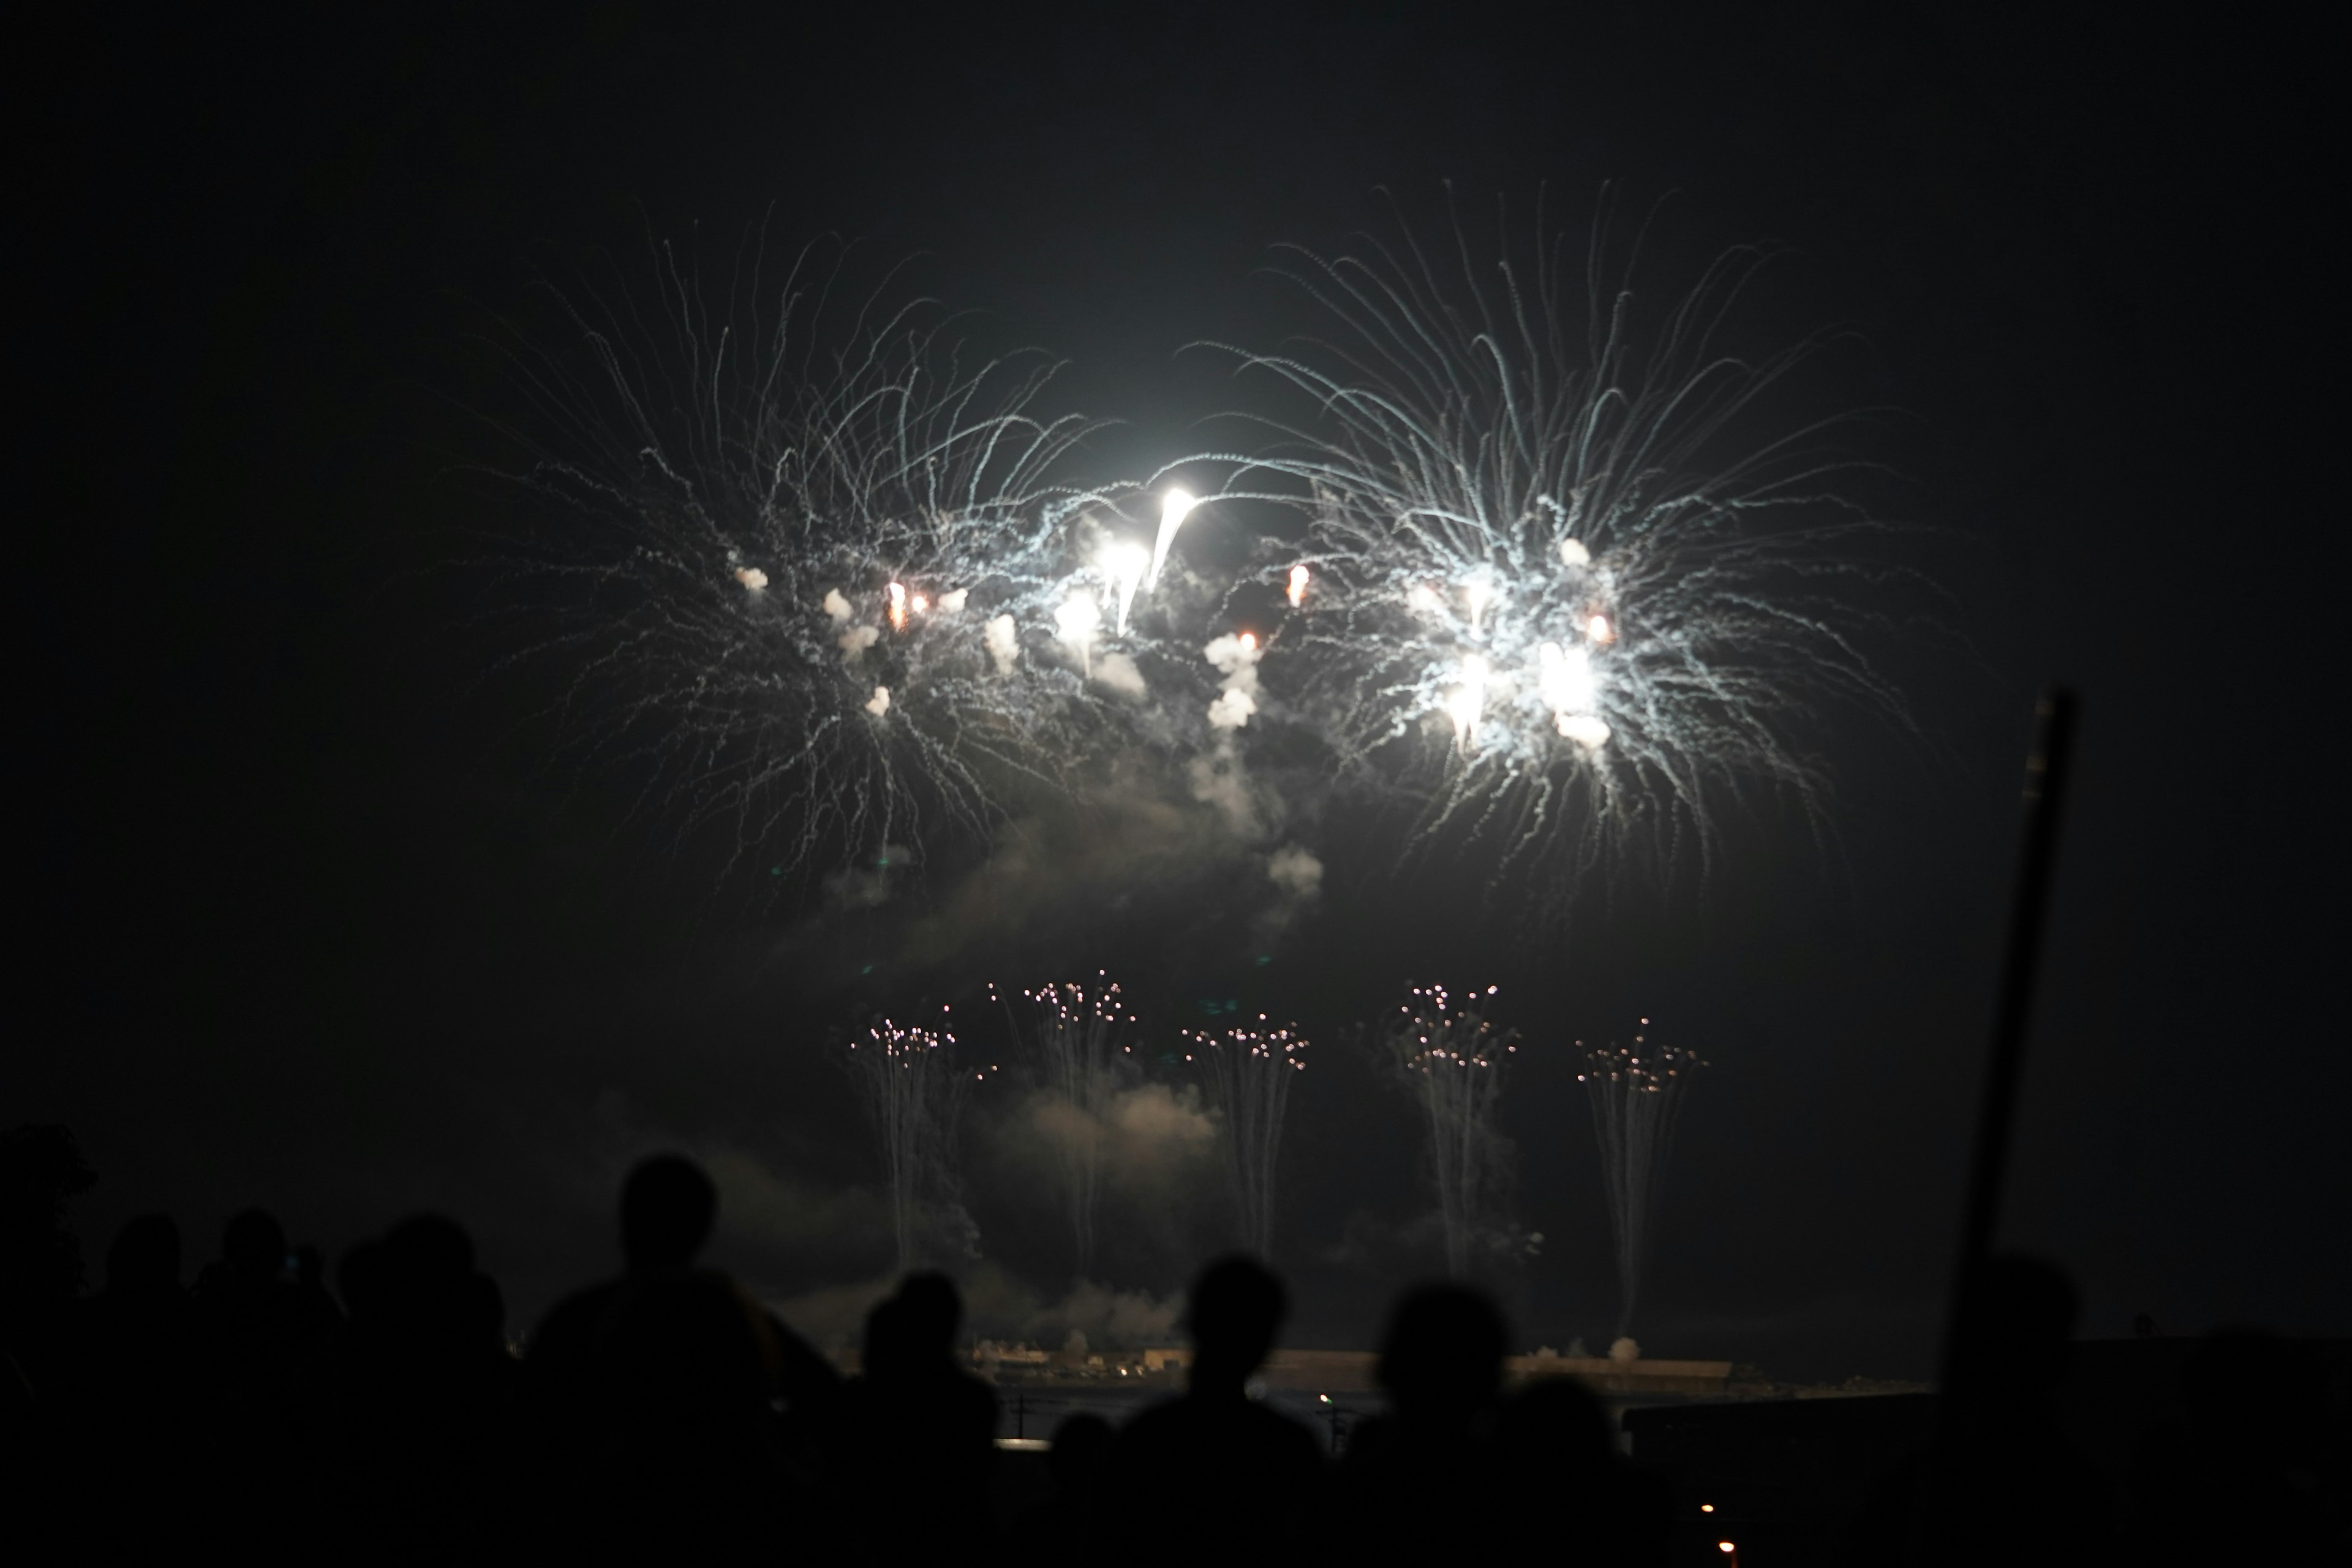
x,y
312,930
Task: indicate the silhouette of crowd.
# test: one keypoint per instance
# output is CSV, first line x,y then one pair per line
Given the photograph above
x,y
667,1414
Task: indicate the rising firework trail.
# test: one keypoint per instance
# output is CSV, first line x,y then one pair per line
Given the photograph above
x,y
1450,1059
800,570
1247,1073
1636,1093
1577,585
914,1097
1073,1034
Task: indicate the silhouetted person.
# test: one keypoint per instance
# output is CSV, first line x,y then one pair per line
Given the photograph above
x,y
130,1402
1563,1490
1215,1476
2000,1484
1063,1526
1405,1478
262,1329
652,1395
2244,1477
918,1432
417,1429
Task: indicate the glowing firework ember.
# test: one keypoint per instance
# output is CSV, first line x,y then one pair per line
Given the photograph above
x,y
1247,1073
820,590
1563,592
1450,1059
1636,1094
914,1097
1073,1036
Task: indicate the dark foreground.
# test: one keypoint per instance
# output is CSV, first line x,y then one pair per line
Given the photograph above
x,y
663,1415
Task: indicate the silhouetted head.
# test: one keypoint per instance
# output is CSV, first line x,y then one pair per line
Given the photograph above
x,y
888,1350
361,1279
2016,1317
145,1258
932,1310
429,1247
1442,1359
1237,1304
1556,1427
667,1205
254,1244
1080,1445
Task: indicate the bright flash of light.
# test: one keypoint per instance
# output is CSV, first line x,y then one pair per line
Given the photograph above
x,y
1468,703
1296,592
1076,625
848,451
1480,594
1125,562
1174,508
1500,457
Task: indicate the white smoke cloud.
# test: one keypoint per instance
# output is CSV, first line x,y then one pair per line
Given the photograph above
x,y
751,577
1002,642
1232,710
1295,869
1118,672
952,603
858,639
837,607
880,703
1217,779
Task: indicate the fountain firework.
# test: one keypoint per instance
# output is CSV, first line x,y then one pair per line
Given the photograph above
x,y
1247,1072
914,1096
1565,592
1636,1093
807,577
1075,1034
1450,1059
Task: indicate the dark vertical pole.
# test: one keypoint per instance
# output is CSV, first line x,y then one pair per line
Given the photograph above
x,y
2045,793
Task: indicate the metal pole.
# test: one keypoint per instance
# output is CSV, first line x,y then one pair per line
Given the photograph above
x,y
2044,801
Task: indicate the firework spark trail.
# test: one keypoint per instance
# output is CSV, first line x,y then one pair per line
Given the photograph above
x,y
914,1096
1450,1059
1247,1073
1075,1033
1636,1093
813,578
1562,593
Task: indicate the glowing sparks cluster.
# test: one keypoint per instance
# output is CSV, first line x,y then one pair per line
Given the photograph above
x,y
1449,1058
1563,590
825,590
1247,1072
914,1097
1073,1034
1636,1093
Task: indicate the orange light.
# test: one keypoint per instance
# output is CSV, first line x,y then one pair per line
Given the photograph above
x,y
1599,629
922,605
1297,586
1249,641
897,606
1724,1546
1706,1508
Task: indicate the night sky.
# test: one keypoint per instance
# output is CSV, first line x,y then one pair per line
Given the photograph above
x,y
313,925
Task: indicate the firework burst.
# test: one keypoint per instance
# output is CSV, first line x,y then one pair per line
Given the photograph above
x,y
1636,1093
1247,1073
1450,1059
1571,588
1073,1034
807,577
914,1096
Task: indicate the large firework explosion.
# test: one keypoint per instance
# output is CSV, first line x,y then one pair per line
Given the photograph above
x,y
1636,1093
804,571
1247,1072
1565,579
1450,1059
